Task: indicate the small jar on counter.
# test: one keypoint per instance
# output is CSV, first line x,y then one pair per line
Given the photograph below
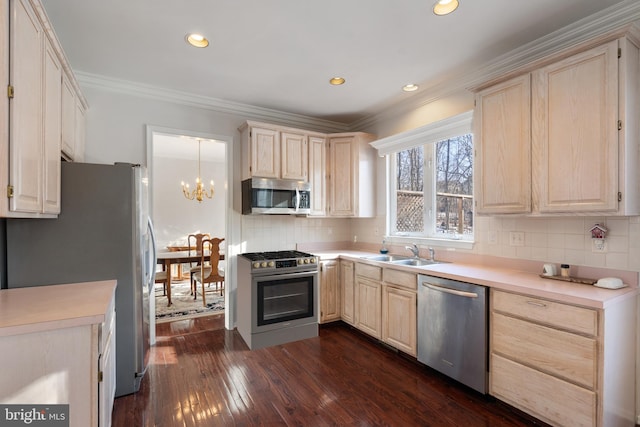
x,y
564,270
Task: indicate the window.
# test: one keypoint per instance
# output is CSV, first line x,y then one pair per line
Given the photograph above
x,y
430,181
433,186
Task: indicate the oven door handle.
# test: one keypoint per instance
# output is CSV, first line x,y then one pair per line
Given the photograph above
x,y
276,276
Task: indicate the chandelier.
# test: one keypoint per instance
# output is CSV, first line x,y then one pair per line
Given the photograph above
x,y
199,192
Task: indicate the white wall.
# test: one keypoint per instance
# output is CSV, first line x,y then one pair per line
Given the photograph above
x,y
174,216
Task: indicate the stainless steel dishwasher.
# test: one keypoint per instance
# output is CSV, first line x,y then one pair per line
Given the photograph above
x,y
452,329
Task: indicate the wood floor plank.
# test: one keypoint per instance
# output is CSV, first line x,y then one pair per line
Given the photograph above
x,y
200,374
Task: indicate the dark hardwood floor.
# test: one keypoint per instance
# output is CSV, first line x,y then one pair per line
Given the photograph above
x,y
203,375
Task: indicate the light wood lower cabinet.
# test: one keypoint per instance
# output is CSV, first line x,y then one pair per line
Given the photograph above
x,y
399,310
369,299
330,294
564,364
72,365
348,292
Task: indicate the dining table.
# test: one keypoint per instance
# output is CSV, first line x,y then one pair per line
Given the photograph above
x,y
177,257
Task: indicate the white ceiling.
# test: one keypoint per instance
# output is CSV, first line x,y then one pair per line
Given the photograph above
x,y
280,54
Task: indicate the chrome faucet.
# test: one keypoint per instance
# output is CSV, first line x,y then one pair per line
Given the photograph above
x,y
432,254
414,250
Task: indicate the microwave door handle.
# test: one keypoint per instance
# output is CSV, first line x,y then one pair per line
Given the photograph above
x,y
297,200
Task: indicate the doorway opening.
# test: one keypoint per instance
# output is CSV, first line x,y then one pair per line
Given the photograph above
x,y
175,159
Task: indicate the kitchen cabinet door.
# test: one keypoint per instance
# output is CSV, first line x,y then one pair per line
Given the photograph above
x,y
79,131
399,319
68,118
265,153
351,191
503,147
26,109
348,291
294,156
317,174
329,291
52,130
368,306
575,132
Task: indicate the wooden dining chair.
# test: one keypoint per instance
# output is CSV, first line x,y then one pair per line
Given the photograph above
x,y
161,277
196,239
209,271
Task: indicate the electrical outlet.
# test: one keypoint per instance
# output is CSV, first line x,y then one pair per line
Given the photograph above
x,y
598,246
376,231
492,237
516,238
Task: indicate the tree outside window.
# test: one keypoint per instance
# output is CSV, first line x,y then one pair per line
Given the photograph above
x,y
434,189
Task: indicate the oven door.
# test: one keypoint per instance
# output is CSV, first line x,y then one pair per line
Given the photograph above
x,y
284,300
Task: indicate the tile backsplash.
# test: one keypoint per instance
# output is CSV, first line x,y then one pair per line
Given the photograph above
x,y
558,239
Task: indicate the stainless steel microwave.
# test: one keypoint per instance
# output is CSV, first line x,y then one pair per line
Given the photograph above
x,y
275,196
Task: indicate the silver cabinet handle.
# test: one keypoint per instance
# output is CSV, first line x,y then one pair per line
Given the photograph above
x,y
451,291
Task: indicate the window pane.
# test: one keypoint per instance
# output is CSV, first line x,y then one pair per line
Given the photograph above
x,y
409,190
454,185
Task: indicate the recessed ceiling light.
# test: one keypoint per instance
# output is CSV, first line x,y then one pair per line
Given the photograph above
x,y
197,40
445,7
410,87
336,81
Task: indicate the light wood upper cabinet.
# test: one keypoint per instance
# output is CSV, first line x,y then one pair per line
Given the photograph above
x,y
272,151
584,137
31,122
330,293
26,110
575,132
503,147
294,156
351,182
52,120
317,174
265,152
339,166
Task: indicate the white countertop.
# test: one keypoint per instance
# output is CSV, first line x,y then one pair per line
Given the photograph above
x,y
504,278
43,308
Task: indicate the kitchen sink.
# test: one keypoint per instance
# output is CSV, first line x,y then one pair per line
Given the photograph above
x,y
387,258
416,262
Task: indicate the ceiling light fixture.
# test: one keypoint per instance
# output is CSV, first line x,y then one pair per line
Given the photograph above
x,y
336,81
199,193
197,40
445,7
410,87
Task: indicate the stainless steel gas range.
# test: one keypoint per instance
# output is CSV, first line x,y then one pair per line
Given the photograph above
x,y
277,297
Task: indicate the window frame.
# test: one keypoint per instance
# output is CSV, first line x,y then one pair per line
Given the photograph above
x,y
425,136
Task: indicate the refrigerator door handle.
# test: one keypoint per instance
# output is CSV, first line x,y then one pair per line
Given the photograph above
x,y
153,259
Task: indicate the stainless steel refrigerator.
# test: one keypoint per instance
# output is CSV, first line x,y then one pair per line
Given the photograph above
x,y
103,232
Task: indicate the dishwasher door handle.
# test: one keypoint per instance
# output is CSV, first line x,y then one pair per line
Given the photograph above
x,y
451,291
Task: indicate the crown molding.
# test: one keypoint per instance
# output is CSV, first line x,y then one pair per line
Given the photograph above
x,y
208,103
610,22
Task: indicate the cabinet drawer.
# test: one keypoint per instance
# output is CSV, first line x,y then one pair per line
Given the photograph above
x,y
563,354
543,396
370,271
569,317
400,278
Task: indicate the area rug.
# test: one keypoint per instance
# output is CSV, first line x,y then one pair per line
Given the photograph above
x,y
182,304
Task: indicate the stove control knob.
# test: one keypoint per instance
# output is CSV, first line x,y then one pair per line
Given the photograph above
x,y
256,265
313,261
300,261
263,264
272,264
306,260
